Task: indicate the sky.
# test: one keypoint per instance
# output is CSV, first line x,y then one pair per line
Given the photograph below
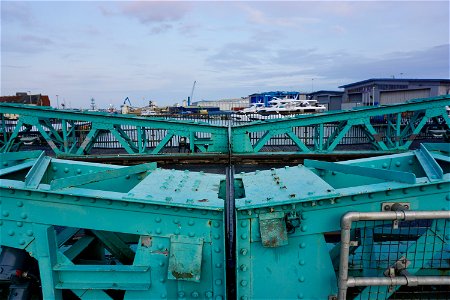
x,y
155,50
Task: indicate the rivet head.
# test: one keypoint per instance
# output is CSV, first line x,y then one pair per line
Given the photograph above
x,y
195,294
301,262
302,245
5,213
158,220
243,268
22,242
158,230
30,232
244,251
447,237
218,265
181,294
191,234
11,232
19,203
191,222
447,197
301,279
385,165
219,297
304,228
218,282
217,250
163,296
300,296
208,294
216,236
244,283
23,215
19,224
243,236
66,170
398,164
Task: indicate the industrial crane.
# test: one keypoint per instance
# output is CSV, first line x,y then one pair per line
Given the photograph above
x,y
192,93
125,101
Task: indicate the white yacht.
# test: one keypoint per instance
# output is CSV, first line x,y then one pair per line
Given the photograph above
x,y
287,106
278,107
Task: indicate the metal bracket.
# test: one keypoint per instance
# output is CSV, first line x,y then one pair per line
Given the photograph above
x,y
273,229
395,206
185,259
292,221
397,268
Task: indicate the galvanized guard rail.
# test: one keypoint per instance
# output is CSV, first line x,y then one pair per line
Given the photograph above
x,y
385,128
108,232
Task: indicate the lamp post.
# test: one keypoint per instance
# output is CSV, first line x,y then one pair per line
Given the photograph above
x,y
57,101
29,92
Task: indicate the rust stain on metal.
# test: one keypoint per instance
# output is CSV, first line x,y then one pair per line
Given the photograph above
x,y
146,241
180,275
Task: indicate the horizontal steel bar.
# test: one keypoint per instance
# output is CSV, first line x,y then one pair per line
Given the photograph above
x,y
16,168
363,171
51,113
73,181
103,277
401,280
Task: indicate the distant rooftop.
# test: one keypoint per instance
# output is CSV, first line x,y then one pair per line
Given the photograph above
x,y
326,92
396,80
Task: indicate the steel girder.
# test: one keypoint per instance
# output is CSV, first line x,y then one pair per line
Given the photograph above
x,y
76,132
387,128
330,128
156,233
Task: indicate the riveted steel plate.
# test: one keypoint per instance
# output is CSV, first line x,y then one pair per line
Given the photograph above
x,y
185,259
273,230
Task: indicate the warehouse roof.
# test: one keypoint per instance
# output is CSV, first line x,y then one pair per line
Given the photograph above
x,y
396,80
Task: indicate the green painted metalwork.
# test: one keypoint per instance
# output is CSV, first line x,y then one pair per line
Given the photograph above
x,y
157,233
79,131
422,110
386,128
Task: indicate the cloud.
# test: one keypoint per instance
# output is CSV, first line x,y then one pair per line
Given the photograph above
x,y
160,28
238,55
425,63
272,18
12,11
26,44
156,12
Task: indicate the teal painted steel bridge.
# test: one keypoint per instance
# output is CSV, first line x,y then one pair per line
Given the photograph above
x,y
71,133
370,228
374,228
